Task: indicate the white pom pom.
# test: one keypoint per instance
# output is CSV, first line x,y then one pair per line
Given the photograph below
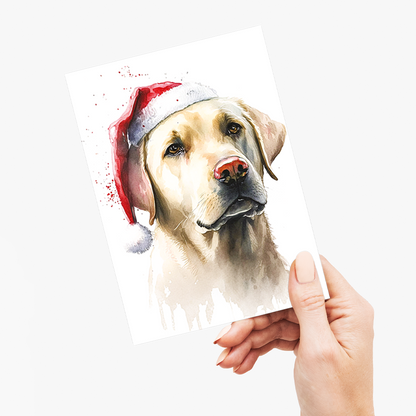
x,y
140,239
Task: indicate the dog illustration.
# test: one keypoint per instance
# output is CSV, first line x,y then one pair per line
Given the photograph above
x,y
198,171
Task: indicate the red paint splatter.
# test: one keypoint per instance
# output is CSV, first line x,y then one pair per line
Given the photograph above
x,y
125,72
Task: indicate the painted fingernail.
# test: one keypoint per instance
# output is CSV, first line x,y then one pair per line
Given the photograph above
x,y
223,355
222,333
305,267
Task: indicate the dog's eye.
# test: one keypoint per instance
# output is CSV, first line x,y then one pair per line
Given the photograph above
x,y
174,149
233,128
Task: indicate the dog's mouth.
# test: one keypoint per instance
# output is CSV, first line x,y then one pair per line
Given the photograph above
x,y
241,207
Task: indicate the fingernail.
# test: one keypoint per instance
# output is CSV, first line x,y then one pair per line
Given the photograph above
x,y
223,355
222,333
236,368
305,267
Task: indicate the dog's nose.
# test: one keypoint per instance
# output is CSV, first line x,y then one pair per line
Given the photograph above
x,y
231,170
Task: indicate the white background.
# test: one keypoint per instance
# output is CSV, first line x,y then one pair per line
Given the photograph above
x,y
345,77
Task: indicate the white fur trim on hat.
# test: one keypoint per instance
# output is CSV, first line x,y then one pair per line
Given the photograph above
x,y
164,105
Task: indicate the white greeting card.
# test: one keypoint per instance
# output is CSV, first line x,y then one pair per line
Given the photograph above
x,y
195,181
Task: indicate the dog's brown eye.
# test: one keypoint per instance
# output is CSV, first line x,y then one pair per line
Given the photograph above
x,y
233,128
174,149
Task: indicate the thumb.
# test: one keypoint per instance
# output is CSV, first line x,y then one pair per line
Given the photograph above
x,y
308,301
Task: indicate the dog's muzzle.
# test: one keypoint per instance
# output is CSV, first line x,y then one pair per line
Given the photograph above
x,y
243,200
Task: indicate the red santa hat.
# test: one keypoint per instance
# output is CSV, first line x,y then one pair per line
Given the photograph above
x,y
148,106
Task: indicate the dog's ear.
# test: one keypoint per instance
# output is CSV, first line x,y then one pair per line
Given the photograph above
x,y
270,135
140,187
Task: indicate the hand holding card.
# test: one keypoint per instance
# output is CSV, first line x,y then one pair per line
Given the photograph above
x,y
332,341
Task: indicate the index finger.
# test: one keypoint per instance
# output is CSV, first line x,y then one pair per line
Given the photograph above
x,y
240,330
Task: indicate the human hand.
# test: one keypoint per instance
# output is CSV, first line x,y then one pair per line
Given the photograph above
x,y
332,341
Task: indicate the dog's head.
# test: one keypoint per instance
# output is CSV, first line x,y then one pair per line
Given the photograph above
x,y
204,164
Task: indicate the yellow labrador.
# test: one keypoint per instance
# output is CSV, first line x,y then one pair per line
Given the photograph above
x,y
201,171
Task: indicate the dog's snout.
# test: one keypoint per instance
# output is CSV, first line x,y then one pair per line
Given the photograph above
x,y
231,170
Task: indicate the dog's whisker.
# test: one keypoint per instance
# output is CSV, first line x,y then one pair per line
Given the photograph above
x,y
201,206
188,217
180,222
193,214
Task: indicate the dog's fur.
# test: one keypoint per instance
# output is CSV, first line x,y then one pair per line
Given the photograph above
x,y
209,234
